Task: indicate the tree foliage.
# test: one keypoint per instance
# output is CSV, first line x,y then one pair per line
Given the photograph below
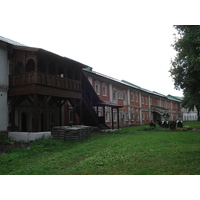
x,y
185,69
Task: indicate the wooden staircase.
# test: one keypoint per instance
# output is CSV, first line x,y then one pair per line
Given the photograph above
x,y
89,99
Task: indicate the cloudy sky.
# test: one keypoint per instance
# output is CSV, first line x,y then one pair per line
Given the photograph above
x,y
128,40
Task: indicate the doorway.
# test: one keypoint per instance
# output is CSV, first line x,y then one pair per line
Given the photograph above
x,y
156,117
24,122
42,122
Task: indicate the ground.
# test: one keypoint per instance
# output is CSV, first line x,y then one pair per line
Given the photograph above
x,y
6,145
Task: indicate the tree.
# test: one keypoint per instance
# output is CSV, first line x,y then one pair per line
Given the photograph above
x,y
185,69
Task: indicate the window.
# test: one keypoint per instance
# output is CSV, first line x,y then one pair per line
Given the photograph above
x,y
132,96
114,116
107,115
150,101
119,95
143,116
97,87
142,100
146,100
124,97
126,116
121,115
30,65
137,115
104,89
114,95
99,112
147,116
136,97
132,114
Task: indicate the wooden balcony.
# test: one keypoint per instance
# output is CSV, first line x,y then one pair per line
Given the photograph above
x,y
41,83
44,79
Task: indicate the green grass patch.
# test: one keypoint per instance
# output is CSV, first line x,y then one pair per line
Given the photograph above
x,y
130,151
192,124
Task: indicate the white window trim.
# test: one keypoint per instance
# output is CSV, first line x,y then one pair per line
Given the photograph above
x,y
104,86
98,85
142,100
136,94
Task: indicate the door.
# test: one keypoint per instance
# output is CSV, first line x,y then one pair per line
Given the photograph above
x,y
24,122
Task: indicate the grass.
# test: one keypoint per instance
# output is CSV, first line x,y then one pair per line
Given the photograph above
x,y
131,151
192,124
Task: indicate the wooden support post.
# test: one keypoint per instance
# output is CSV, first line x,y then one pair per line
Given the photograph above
x,y
45,114
14,101
104,112
112,118
59,113
13,117
74,112
118,118
81,113
97,110
35,113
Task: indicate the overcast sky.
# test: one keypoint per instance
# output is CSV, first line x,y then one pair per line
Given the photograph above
x,y
128,40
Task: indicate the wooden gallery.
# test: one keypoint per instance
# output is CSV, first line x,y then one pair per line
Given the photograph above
x,y
40,90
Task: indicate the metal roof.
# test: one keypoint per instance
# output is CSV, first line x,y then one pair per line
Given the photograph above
x,y
17,45
9,41
173,98
89,69
135,86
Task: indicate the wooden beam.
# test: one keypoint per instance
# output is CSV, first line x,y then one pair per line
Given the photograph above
x,y
118,118
45,110
112,118
59,113
81,113
35,114
74,111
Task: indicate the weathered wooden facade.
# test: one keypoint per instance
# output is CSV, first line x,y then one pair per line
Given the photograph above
x,y
47,90
40,84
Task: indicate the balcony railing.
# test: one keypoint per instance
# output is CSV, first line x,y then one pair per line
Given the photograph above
x,y
44,79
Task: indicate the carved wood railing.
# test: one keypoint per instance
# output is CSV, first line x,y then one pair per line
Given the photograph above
x,y
44,79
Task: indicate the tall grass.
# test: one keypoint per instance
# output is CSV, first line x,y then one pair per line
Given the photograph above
x,y
130,151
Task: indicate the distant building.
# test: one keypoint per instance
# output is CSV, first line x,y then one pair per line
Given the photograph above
x,y
188,114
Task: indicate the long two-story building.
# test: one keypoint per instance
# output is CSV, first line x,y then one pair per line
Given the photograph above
x,y
40,89
138,105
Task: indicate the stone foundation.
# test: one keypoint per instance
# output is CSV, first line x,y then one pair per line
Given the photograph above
x,y
28,136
